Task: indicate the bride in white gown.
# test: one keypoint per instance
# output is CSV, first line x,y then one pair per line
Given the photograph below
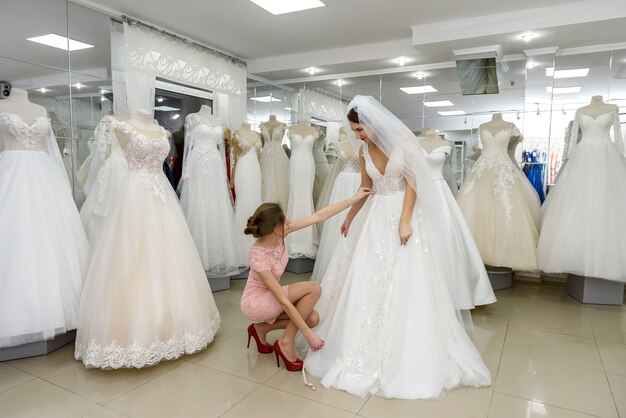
x,y
391,324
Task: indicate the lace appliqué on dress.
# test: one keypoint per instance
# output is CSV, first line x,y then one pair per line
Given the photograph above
x,y
30,136
504,178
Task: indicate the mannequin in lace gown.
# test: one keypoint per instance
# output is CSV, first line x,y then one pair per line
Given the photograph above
x,y
583,230
109,178
248,185
146,297
500,205
45,252
302,243
274,163
321,166
205,196
346,180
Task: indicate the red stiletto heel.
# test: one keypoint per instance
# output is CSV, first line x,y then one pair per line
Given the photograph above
x,y
261,348
295,366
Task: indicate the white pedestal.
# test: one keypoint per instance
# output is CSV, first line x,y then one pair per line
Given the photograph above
x,y
500,277
37,348
219,283
300,265
241,276
595,291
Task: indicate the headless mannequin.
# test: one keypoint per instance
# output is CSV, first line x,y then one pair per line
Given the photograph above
x,y
122,114
17,103
206,113
247,133
496,124
597,107
431,141
142,122
303,128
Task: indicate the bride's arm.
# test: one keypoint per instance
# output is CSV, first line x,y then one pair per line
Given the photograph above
x,y
405,218
366,182
327,212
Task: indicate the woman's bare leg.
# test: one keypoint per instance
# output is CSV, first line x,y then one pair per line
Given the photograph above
x,y
304,295
263,328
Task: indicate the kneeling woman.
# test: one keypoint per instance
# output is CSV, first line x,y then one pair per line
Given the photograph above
x,y
264,301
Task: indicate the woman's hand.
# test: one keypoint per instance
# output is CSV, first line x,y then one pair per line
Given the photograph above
x,y
315,342
405,232
362,193
345,226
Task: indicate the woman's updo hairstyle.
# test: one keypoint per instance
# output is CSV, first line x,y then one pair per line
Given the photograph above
x,y
353,115
264,220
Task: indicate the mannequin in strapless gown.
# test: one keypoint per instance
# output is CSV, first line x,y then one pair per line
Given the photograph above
x,y
583,230
274,163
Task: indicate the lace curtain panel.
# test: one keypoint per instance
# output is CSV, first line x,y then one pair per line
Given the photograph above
x,y
321,106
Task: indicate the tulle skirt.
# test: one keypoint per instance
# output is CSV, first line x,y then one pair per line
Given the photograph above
x,y
44,252
275,169
345,186
146,297
208,207
322,170
583,229
302,243
388,321
103,195
248,183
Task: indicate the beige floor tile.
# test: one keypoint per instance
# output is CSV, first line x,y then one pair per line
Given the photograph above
x,y
550,346
103,386
40,365
505,406
613,357
42,399
293,383
612,330
465,402
11,377
224,333
104,412
187,391
554,319
618,387
492,360
489,336
267,402
581,390
230,311
234,358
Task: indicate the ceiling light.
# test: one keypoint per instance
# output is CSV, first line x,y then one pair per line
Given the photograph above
x,y
563,90
79,86
528,36
340,82
530,65
266,99
440,103
420,75
61,42
279,7
176,116
287,108
166,108
418,89
452,113
401,60
102,91
574,73
312,70
103,99
43,90
160,99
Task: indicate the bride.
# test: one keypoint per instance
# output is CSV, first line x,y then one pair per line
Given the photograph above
x,y
390,316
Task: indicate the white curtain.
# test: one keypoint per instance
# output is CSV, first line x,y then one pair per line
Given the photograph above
x,y
117,67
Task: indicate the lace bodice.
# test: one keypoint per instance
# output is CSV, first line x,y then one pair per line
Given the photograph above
x,y
20,136
208,136
349,163
596,130
318,149
245,145
392,182
302,144
273,138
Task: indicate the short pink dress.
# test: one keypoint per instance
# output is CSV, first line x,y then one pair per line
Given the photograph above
x,y
257,302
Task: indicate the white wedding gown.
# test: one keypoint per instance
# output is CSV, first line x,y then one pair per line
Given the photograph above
x,y
248,188
345,185
206,199
104,190
274,166
322,169
302,243
146,297
583,230
388,320
44,251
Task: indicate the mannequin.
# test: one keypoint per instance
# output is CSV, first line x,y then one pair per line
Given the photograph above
x,y
597,107
432,141
273,123
303,128
250,136
17,103
122,114
143,122
206,113
496,124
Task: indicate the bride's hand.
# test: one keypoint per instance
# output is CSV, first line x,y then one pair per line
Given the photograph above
x,y
363,192
315,342
405,232
345,226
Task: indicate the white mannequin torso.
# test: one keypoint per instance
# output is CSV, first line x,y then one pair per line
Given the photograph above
x,y
597,107
303,129
143,123
496,124
273,123
431,141
17,103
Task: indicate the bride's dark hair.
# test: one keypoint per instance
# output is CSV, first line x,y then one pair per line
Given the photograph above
x,y
353,116
264,220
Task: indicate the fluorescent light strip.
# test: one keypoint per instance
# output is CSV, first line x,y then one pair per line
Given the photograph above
x,y
573,73
279,7
419,89
452,113
266,99
61,42
164,108
441,103
563,90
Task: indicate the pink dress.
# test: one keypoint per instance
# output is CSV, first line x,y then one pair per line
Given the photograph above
x,y
257,302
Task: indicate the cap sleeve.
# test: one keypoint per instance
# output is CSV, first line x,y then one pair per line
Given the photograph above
x,y
259,260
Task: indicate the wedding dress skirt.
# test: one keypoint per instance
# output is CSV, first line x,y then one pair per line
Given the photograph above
x,y
248,184
275,167
44,252
146,297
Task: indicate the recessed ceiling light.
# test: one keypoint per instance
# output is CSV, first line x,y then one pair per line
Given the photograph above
x,y
312,70
176,116
164,108
452,113
563,90
61,42
530,65
401,60
266,99
440,103
43,90
279,7
573,73
340,82
287,108
420,75
528,36
78,86
103,99
419,89
160,99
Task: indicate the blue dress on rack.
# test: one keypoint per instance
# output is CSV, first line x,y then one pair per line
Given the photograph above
x,y
534,168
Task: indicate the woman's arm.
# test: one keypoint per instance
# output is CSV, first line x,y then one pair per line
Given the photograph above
x,y
366,182
405,218
327,212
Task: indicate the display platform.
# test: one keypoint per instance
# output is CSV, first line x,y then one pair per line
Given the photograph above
x,y
595,291
38,348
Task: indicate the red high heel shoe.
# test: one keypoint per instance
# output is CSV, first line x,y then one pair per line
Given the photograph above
x,y
295,366
261,348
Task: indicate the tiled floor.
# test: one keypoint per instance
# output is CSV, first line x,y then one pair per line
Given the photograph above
x,y
549,356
